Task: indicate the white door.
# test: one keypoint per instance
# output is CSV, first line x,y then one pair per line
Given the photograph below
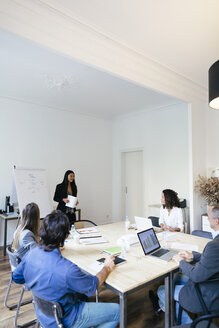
x,y
132,184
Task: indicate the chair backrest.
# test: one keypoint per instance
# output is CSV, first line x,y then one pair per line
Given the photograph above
x,y
205,321
199,293
80,224
49,308
13,258
154,220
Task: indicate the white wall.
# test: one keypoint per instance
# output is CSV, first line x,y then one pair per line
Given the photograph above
x,y
39,137
163,136
212,138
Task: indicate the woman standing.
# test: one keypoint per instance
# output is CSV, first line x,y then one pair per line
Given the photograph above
x,y
170,213
26,235
67,187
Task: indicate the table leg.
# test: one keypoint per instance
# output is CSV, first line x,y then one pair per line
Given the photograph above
x,y
169,302
123,310
5,237
172,302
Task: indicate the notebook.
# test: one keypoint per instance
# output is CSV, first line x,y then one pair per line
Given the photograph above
x,y
151,245
113,250
142,223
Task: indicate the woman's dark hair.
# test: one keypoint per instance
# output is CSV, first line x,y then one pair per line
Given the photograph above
x,y
54,230
171,199
73,184
30,220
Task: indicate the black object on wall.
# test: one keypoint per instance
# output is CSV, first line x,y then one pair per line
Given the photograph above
x,y
213,86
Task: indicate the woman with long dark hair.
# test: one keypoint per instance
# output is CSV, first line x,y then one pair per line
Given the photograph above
x,y
67,187
171,213
26,235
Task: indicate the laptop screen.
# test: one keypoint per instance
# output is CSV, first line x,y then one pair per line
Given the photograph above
x,y
148,241
142,223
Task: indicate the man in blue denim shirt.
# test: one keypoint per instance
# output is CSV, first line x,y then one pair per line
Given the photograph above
x,y
51,276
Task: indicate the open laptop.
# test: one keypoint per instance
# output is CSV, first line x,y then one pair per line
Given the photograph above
x,y
151,245
142,223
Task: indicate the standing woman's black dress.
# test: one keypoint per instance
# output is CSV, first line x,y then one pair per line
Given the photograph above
x,y
61,193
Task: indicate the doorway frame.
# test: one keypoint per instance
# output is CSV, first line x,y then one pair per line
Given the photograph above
x,y
122,182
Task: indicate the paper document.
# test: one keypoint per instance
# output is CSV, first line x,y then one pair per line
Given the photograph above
x,y
185,247
96,266
87,230
72,201
93,240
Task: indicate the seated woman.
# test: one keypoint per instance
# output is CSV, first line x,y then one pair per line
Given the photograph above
x,y
171,217
26,235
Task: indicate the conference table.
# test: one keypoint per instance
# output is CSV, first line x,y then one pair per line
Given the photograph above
x,y
139,271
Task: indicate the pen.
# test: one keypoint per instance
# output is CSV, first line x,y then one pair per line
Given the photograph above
x,y
90,237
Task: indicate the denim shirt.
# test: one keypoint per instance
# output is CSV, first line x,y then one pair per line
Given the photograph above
x,y
55,278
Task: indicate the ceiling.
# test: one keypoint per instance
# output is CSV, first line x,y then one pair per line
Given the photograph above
x,y
28,70
181,35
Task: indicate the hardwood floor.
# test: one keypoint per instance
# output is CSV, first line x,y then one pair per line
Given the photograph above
x,y
140,314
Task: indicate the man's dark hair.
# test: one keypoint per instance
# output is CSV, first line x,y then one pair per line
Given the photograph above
x,y
54,230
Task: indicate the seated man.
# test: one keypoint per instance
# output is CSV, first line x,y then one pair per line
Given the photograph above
x,y
51,276
207,267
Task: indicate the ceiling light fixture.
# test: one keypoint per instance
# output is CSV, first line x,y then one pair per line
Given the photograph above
x,y
214,85
58,82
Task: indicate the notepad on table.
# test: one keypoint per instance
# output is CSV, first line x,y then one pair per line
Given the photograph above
x,y
87,230
113,250
93,240
96,266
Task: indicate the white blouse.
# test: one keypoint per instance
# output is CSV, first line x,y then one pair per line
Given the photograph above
x,y
174,219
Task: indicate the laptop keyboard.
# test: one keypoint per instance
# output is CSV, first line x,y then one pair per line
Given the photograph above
x,y
160,252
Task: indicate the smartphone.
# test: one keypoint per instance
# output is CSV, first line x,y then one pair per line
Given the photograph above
x,y
118,260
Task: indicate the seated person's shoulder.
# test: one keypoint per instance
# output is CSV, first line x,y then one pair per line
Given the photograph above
x,y
212,248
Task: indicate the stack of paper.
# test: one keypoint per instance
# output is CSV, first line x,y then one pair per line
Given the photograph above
x,y
93,240
96,266
87,230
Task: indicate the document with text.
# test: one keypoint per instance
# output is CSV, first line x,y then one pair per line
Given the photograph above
x,y
72,201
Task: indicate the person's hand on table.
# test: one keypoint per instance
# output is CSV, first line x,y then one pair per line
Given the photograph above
x,y
166,228
183,255
110,263
187,256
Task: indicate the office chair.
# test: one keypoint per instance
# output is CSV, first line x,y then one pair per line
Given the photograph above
x,y
49,309
204,234
206,314
154,221
202,322
14,261
89,221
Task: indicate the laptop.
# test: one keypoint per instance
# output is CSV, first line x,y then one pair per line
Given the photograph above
x,y
151,245
142,223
